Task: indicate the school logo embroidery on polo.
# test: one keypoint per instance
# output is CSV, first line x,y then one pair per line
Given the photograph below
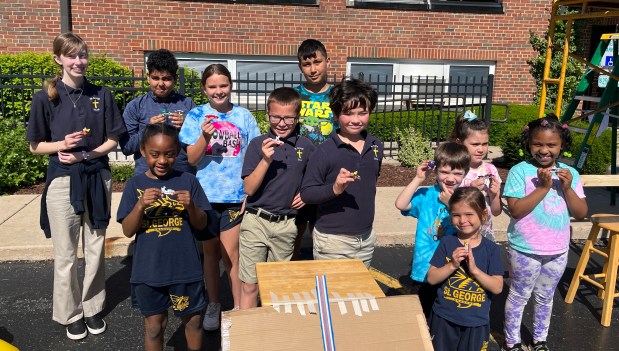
x,y
96,103
299,152
375,150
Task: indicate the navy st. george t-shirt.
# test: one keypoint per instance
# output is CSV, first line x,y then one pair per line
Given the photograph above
x,y
165,249
461,300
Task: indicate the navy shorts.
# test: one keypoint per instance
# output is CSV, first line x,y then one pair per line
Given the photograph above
x,y
306,214
450,336
222,217
185,299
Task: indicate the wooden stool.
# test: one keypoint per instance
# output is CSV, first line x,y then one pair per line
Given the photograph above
x,y
607,279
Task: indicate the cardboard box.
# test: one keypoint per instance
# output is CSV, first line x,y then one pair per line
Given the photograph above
x,y
397,324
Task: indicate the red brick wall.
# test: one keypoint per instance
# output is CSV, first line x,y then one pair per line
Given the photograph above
x,y
124,29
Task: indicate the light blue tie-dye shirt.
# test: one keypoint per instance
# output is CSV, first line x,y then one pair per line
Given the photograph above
x,y
433,222
219,171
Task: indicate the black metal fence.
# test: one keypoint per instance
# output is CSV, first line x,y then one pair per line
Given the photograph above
x,y
427,103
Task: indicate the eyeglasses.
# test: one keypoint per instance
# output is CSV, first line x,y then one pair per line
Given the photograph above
x,y
289,120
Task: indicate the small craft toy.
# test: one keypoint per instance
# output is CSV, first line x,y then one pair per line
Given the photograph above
x,y
466,245
85,131
356,174
278,140
486,176
431,164
211,117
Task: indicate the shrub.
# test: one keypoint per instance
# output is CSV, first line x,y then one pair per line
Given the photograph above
x,y
597,161
35,67
121,172
413,147
18,167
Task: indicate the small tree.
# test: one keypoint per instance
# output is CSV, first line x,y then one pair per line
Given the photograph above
x,y
574,70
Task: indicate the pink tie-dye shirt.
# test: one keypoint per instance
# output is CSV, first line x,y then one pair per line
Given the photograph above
x,y
473,174
546,229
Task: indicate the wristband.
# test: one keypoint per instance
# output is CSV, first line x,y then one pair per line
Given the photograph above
x,y
84,155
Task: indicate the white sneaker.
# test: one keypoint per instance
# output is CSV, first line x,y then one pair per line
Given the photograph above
x,y
211,317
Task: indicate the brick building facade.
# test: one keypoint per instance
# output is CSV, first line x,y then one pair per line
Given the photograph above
x,y
410,41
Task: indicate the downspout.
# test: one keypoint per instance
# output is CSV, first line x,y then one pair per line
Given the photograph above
x,y
65,16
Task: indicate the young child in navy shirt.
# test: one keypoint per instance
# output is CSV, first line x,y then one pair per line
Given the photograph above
x,y
272,171
341,177
469,270
163,207
429,206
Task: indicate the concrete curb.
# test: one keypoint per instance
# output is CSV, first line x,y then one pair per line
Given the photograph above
x,y
22,239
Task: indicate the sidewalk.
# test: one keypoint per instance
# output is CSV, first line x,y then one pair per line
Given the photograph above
x,y
22,239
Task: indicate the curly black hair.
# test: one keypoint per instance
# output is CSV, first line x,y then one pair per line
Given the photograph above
x,y
162,60
548,122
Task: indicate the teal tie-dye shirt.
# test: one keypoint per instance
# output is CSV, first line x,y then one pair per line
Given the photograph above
x,y
219,171
546,229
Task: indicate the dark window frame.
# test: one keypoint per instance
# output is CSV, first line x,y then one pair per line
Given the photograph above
x,y
462,6
264,2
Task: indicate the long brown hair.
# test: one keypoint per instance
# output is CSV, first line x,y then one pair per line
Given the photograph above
x,y
66,44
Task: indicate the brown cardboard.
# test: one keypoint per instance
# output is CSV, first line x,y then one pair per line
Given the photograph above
x,y
398,324
343,276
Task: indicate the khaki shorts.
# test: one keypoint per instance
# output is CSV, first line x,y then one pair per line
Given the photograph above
x,y
264,241
338,246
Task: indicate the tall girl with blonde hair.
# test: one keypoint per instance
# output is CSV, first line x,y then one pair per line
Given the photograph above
x,y
77,124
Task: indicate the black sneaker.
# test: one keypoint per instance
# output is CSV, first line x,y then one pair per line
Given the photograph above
x,y
540,346
95,325
516,347
77,330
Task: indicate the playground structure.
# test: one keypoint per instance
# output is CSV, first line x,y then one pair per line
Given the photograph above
x,y
608,103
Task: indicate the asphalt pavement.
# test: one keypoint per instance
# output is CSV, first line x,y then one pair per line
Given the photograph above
x,y
25,313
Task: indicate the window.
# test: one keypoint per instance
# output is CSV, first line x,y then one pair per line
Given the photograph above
x,y
380,75
468,80
472,6
271,2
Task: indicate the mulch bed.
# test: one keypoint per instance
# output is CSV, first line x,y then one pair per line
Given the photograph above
x,y
390,175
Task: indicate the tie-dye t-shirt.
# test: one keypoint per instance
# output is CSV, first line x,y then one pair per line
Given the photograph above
x,y
433,222
546,229
219,171
316,118
473,174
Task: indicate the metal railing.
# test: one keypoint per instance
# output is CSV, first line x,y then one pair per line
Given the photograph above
x,y
427,103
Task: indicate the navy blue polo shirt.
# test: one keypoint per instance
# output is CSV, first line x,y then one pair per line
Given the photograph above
x,y
137,116
352,212
283,178
95,109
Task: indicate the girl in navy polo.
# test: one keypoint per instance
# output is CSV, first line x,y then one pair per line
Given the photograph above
x,y
77,124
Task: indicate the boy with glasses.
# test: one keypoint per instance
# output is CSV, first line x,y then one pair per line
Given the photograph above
x,y
272,172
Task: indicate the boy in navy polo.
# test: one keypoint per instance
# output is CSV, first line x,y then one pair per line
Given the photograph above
x,y
341,177
272,171
162,104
